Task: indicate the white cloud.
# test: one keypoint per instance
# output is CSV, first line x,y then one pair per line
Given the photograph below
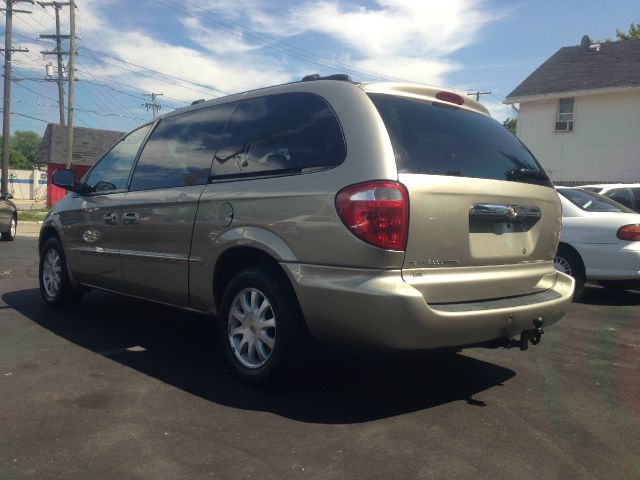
x,y
401,39
195,66
405,39
499,110
217,41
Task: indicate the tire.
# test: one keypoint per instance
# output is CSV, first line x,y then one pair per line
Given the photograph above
x,y
261,327
10,235
569,262
55,287
620,284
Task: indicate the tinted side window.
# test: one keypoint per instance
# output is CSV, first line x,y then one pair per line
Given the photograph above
x,y
591,201
621,195
180,150
284,132
112,171
636,194
439,139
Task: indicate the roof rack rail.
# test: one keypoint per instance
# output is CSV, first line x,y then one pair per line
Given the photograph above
x,y
337,76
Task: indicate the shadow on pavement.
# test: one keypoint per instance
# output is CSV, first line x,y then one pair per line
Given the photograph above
x,y
597,295
341,385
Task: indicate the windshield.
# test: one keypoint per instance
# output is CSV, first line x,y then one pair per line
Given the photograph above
x,y
591,201
439,139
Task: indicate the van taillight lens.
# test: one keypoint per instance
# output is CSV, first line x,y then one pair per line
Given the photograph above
x,y
629,232
376,212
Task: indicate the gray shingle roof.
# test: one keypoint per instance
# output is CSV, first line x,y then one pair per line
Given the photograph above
x,y
89,144
570,69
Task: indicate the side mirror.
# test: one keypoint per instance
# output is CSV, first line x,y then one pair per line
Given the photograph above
x,y
8,196
65,178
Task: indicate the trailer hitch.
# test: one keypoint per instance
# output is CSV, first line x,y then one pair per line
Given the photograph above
x,y
533,335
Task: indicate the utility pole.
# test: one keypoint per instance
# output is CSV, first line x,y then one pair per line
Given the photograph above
x,y
478,93
154,105
58,51
6,113
72,75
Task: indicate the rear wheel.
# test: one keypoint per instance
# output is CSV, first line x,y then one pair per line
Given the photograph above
x,y
10,234
262,327
569,262
55,287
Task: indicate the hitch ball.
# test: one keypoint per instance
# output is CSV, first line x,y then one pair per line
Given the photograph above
x,y
533,335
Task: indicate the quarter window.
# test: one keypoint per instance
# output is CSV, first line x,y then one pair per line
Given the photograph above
x,y
180,150
564,118
113,169
621,195
280,133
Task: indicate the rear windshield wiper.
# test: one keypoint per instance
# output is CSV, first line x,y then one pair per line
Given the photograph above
x,y
527,172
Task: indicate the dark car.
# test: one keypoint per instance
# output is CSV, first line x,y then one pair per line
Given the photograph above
x,y
8,217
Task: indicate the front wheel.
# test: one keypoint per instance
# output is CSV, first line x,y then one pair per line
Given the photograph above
x,y
55,287
261,326
569,262
10,234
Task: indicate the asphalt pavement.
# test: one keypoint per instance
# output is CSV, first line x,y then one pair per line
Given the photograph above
x,y
122,389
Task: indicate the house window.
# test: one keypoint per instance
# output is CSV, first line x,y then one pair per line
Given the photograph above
x,y
564,119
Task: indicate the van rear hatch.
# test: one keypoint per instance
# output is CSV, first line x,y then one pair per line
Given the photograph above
x,y
484,218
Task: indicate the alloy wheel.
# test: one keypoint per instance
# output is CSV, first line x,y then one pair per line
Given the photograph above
x,y
52,273
562,265
251,328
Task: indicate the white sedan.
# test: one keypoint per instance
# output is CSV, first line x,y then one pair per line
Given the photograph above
x,y
600,240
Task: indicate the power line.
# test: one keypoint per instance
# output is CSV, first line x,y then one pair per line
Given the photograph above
x,y
37,93
96,99
29,116
6,104
82,110
136,72
156,71
58,52
110,87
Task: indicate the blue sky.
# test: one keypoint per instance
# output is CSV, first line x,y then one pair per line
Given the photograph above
x,y
191,49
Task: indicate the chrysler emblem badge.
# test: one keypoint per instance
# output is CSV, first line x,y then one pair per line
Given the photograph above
x,y
512,212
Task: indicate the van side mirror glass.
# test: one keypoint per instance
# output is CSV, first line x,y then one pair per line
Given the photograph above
x,y
65,178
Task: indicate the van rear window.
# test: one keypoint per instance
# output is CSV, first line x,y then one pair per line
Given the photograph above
x,y
440,139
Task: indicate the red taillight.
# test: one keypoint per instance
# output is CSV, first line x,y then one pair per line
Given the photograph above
x,y
629,232
376,212
450,97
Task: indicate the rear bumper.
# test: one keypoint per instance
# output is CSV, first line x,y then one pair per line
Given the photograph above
x,y
378,308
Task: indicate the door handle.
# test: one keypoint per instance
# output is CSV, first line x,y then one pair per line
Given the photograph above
x,y
110,218
130,218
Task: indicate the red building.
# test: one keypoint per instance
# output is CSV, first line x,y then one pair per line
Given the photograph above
x,y
89,145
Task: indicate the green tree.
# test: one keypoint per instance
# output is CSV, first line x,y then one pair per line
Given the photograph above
x,y
27,143
632,34
510,124
23,146
18,161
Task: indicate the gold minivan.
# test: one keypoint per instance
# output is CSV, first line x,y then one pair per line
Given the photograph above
x,y
389,215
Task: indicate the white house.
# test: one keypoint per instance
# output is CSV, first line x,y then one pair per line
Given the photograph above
x,y
580,113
